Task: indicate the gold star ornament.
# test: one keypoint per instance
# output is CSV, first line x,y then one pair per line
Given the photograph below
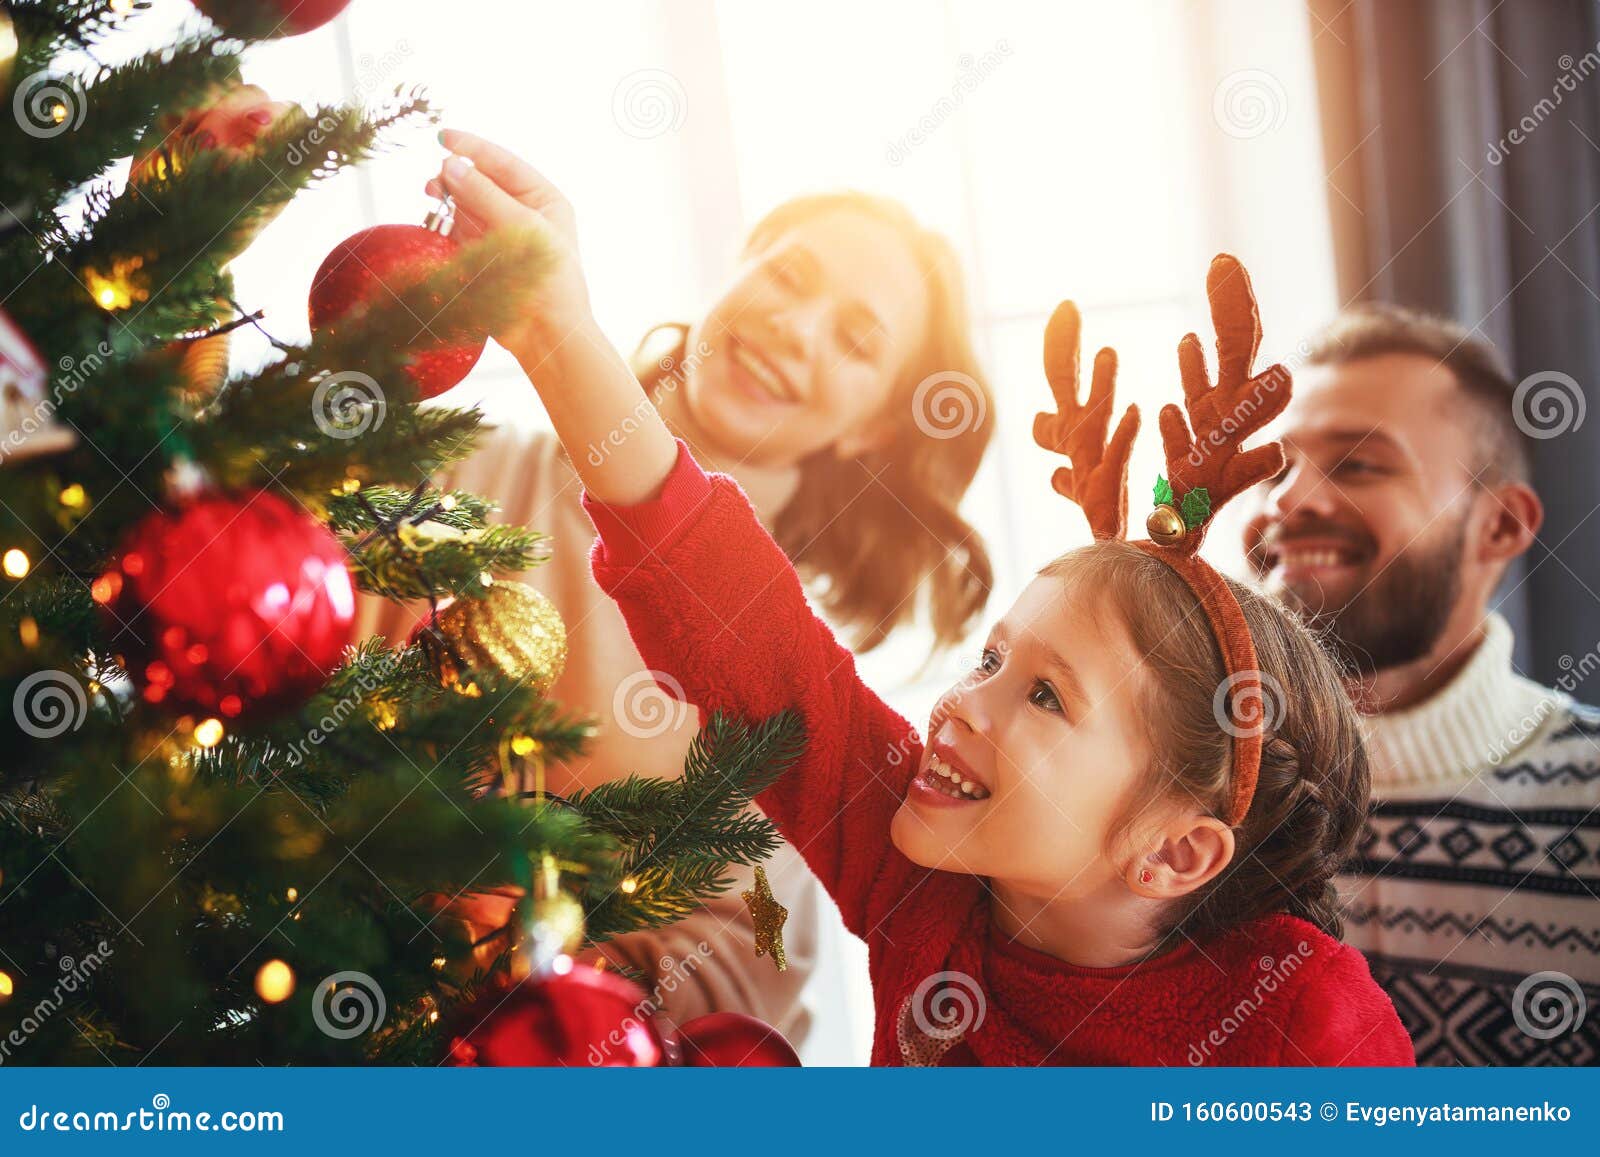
x,y
768,916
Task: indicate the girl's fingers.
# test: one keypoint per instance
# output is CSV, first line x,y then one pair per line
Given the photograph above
x,y
481,197
502,166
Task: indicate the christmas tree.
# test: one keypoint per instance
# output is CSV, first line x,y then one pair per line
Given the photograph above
x,y
228,833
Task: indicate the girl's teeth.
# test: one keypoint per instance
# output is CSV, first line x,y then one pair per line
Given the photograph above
x,y
943,777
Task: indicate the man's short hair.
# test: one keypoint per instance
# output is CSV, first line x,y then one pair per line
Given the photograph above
x,y
1375,329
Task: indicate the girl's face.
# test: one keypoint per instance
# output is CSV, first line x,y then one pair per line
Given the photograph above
x,y
806,345
1046,729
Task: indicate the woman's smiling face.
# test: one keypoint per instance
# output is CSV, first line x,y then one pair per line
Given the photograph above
x,y
1031,759
806,345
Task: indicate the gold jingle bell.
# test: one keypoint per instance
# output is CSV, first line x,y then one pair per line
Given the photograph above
x,y
1166,525
511,629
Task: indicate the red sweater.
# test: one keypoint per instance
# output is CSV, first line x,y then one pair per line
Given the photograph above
x,y
715,606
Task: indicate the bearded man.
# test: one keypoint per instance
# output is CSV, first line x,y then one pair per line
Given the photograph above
x,y
1405,496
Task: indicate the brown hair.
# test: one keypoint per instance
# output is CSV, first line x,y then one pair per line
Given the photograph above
x,y
1374,329
1311,799
845,513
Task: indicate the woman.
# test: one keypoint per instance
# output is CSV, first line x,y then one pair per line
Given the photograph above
x,y
834,378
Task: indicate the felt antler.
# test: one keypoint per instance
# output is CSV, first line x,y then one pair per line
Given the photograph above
x,y
1097,480
1208,469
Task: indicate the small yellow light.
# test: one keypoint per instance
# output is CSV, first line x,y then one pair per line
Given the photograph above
x,y
6,987
448,502
486,579
630,886
73,497
28,631
116,290
292,895
208,733
433,1016
274,982
15,563
524,744
438,963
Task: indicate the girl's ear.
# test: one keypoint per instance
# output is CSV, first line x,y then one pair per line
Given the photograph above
x,y
1190,852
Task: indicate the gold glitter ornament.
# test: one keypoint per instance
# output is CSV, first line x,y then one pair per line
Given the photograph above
x,y
768,916
512,629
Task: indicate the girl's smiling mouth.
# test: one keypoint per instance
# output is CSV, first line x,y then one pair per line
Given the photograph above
x,y
945,780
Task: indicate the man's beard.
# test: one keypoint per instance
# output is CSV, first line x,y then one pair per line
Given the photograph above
x,y
1398,617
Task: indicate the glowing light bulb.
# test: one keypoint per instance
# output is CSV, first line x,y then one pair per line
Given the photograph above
x,y
274,982
73,497
6,986
15,563
208,732
630,886
292,895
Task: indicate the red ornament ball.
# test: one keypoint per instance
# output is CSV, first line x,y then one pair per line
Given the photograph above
x,y
386,259
267,19
231,605
732,1040
582,1018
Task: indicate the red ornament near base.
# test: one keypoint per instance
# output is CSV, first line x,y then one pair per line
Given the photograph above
x,y
733,1040
229,605
581,1018
384,260
268,19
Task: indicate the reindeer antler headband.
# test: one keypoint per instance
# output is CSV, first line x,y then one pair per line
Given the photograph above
x,y
1204,470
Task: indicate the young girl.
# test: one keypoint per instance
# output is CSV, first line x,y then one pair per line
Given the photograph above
x,y
1064,873
798,381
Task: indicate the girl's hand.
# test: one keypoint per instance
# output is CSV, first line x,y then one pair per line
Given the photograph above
x,y
495,190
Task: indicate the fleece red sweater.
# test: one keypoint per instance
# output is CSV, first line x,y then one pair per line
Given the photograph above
x,y
715,607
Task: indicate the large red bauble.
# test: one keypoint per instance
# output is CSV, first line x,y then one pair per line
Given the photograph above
x,y
231,605
582,1018
263,19
732,1040
382,260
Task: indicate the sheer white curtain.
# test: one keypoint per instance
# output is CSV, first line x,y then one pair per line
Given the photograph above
x,y
1088,150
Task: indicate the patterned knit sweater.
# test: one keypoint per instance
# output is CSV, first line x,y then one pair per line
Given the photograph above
x,y
1475,892
718,613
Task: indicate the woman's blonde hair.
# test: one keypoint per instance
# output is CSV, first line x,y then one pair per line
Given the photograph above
x,y
867,531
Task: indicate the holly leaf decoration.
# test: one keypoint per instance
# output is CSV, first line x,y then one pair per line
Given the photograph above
x,y
1163,490
1196,507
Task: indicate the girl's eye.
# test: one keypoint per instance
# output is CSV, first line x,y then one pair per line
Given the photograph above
x,y
1355,466
1044,696
989,661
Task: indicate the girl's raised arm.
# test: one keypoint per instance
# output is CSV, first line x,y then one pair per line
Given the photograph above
x,y
586,385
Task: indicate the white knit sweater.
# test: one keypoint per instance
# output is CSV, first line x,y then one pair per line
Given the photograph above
x,y
1475,890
